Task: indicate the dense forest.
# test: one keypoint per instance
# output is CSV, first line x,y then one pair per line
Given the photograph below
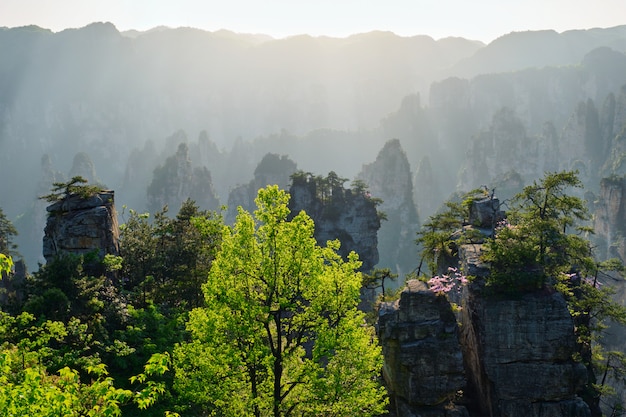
x,y
270,194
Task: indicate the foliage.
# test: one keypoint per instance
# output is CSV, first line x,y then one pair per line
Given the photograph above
x,y
166,261
330,194
377,278
75,186
6,263
541,238
28,389
542,243
274,164
35,393
440,234
280,333
62,289
436,235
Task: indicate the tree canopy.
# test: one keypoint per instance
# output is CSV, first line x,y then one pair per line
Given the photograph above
x,y
543,235
280,334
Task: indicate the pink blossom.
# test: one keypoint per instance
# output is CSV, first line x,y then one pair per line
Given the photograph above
x,y
445,283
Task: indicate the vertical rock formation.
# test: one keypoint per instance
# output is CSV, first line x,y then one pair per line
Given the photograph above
x,y
501,148
83,166
582,145
423,367
177,180
389,178
615,127
79,225
33,221
518,353
427,194
349,215
609,220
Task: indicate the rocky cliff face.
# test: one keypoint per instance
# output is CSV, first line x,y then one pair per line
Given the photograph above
x,y
427,194
614,118
518,353
349,215
423,367
505,148
78,225
389,178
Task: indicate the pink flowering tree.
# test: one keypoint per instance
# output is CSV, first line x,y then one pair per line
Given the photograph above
x,y
444,283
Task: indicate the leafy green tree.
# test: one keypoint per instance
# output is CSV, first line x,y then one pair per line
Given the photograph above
x,y
90,307
166,261
6,263
542,237
542,243
27,388
280,333
440,235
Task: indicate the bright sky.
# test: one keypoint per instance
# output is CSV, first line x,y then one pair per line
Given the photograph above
x,y
473,19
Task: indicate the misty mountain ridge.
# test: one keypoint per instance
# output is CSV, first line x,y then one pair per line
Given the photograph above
x,y
127,100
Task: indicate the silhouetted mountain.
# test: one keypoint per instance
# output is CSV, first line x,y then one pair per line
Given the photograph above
x,y
538,49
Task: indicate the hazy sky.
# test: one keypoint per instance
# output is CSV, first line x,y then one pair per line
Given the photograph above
x,y
475,19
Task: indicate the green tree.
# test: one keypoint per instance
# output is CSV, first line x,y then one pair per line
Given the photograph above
x,y
77,185
6,263
166,261
542,243
28,388
280,333
440,235
542,238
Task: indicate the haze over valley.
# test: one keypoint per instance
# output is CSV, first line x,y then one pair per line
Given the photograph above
x,y
124,101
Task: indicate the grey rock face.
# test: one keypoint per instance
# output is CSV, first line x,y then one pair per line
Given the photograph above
x,y
389,178
519,354
177,180
79,226
423,366
516,352
485,213
350,217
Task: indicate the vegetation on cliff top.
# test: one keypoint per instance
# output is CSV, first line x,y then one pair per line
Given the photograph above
x,y
541,244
